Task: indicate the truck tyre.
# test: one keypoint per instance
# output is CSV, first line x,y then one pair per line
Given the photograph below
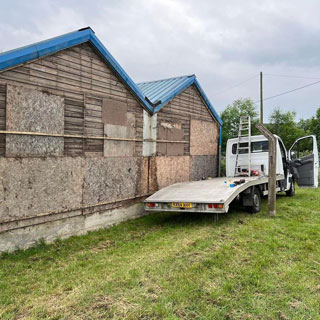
x,y
256,199
292,191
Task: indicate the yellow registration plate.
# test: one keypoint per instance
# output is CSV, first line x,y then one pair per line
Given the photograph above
x,y
181,205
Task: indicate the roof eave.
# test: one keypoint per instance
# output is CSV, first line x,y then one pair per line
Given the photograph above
x,y
26,54
207,101
30,53
106,55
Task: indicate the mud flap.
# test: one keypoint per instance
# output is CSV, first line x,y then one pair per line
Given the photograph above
x,y
247,197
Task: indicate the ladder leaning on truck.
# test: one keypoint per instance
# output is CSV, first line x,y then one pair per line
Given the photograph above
x,y
246,176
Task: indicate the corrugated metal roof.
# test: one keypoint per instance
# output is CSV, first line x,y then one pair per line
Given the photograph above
x,y
159,90
13,58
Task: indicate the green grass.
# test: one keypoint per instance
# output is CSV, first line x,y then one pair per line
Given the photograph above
x,y
175,266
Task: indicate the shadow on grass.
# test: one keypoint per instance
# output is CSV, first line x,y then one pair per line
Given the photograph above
x,y
183,219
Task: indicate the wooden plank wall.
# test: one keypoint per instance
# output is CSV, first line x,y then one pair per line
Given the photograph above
x,y
93,126
2,119
78,74
181,109
74,124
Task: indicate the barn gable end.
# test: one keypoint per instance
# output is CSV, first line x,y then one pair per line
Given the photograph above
x,y
84,80
186,116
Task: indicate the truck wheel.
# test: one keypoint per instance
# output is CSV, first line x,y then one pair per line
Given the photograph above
x,y
256,199
292,191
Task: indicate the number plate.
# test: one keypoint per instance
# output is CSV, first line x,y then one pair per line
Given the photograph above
x,y
181,205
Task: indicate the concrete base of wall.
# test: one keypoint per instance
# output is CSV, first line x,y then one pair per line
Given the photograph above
x,y
24,238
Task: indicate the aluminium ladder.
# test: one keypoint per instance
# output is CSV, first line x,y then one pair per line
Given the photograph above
x,y
243,148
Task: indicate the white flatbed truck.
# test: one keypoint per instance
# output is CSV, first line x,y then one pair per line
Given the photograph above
x,y
215,195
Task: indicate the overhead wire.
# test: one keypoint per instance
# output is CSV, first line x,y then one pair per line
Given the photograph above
x,y
290,76
235,86
274,75
286,92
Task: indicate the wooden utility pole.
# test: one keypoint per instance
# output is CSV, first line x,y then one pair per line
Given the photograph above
x,y
272,182
261,98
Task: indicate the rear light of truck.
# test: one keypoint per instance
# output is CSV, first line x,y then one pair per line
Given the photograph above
x,y
151,204
215,205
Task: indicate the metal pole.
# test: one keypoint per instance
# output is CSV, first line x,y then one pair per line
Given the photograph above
x,y
272,182
261,97
219,151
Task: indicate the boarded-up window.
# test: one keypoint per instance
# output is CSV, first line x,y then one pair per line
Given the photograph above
x,y
31,111
2,119
170,132
204,136
114,112
120,148
118,123
74,125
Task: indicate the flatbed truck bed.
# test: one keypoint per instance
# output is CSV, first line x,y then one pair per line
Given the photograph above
x,y
299,165
214,195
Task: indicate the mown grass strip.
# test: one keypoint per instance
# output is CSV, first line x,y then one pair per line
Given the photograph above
x,y
175,266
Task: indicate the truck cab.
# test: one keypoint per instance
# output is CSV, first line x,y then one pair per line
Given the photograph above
x,y
300,163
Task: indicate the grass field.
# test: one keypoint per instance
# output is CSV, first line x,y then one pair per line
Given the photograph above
x,y
175,266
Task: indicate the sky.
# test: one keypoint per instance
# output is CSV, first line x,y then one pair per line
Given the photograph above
x,y
225,43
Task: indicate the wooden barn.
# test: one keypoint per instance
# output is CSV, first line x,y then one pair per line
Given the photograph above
x,y
81,144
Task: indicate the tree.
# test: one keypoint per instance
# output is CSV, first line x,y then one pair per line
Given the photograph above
x,y
304,124
231,118
283,124
314,126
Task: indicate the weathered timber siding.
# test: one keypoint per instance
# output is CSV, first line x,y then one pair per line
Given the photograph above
x,y
2,119
179,112
74,125
93,126
79,75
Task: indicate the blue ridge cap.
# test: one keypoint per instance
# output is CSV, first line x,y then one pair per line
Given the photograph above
x,y
161,92
207,101
16,57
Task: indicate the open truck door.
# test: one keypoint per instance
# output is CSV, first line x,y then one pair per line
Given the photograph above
x,y
304,161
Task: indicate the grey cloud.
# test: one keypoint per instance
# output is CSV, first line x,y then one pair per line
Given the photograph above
x,y
222,42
